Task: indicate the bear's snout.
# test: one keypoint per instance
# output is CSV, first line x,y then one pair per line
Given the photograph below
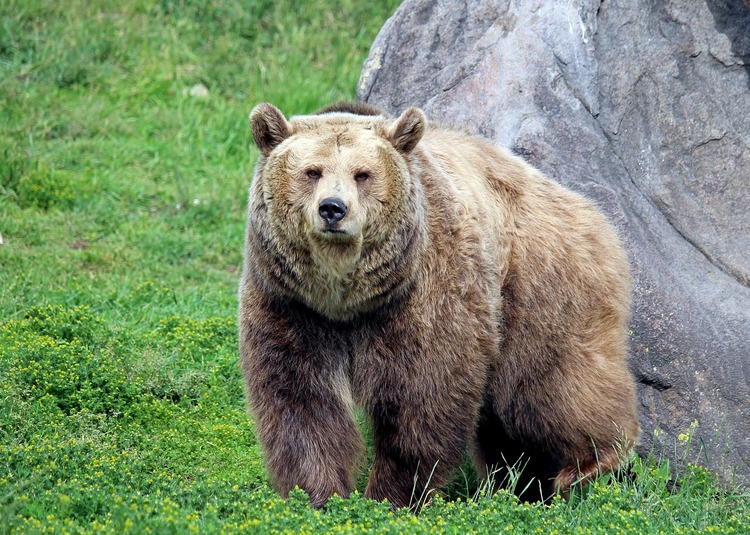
x,y
332,210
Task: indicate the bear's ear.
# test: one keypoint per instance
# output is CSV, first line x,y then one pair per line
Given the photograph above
x,y
407,130
269,127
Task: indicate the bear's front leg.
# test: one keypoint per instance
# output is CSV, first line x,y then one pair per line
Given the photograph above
x,y
416,448
299,393
422,390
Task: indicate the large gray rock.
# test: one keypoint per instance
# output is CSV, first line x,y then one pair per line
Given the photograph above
x,y
644,107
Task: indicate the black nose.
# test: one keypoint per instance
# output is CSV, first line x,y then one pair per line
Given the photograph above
x,y
332,210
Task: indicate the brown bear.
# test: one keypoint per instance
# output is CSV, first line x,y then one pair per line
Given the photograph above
x,y
460,298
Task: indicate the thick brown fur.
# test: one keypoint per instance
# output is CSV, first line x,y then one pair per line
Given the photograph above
x,y
464,301
357,108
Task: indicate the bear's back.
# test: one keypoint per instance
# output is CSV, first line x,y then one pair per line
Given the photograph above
x,y
548,242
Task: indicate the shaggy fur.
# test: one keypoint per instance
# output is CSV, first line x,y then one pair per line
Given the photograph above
x,y
356,108
463,300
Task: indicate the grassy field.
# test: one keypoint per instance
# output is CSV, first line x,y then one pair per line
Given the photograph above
x,y
125,160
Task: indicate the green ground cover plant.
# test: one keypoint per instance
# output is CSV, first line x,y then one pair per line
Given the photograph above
x,y
125,159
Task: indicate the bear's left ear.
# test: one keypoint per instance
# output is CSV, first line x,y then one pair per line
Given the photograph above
x,y
269,127
407,130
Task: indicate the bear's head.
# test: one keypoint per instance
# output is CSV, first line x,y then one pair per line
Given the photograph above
x,y
336,187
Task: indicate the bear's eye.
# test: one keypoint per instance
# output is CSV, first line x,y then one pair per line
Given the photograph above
x,y
361,176
313,174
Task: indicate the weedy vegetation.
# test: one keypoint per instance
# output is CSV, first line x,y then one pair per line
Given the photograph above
x,y
125,159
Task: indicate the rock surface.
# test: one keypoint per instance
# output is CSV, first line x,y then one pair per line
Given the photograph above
x,y
644,107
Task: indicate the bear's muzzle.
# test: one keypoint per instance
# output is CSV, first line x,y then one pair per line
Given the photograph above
x,y
332,210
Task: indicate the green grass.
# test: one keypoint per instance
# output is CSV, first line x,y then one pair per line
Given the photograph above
x,y
122,210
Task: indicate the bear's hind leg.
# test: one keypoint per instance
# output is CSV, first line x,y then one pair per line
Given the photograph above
x,y
586,471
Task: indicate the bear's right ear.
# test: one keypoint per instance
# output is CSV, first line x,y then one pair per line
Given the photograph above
x,y
269,127
407,130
